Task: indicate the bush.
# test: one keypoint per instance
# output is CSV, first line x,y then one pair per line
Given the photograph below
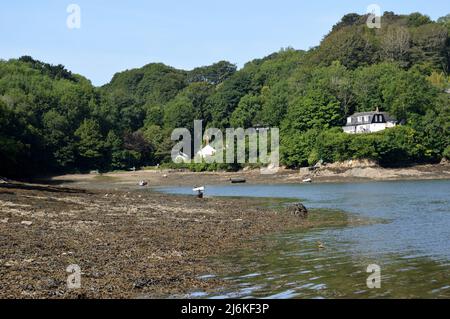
x,y
446,153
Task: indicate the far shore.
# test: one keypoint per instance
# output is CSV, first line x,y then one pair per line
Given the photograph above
x,y
349,172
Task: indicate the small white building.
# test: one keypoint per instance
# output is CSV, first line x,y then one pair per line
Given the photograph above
x,y
207,151
369,122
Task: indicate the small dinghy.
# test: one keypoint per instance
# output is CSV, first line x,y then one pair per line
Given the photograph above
x,y
308,180
143,183
238,180
200,191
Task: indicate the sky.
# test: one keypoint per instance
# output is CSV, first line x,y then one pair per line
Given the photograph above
x,y
119,35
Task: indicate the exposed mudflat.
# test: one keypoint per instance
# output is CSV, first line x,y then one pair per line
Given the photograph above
x,y
128,244
131,242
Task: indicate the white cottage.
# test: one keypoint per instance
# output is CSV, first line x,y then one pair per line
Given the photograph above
x,y
369,122
207,151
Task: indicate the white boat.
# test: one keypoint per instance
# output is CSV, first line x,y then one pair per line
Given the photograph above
x,y
143,183
308,180
199,189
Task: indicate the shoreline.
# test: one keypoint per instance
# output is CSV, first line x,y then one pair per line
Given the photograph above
x,y
130,244
334,173
134,242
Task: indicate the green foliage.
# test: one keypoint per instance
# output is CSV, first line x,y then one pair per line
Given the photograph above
x,y
407,40
447,152
417,19
315,110
11,148
90,143
52,120
445,21
353,46
187,106
244,115
298,150
55,72
213,74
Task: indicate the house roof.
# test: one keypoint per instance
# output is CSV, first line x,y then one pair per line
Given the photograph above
x,y
386,115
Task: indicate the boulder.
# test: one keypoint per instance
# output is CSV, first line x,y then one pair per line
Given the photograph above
x,y
298,209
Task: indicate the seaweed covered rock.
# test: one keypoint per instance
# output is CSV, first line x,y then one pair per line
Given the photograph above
x,y
298,209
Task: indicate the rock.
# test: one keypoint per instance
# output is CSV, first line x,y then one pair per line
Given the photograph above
x,y
51,284
27,223
145,282
4,221
298,209
10,263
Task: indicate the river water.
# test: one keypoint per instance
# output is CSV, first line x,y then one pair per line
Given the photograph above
x,y
411,246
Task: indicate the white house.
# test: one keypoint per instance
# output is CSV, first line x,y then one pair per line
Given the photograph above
x,y
369,122
207,151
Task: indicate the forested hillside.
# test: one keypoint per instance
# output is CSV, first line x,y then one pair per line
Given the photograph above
x,y
54,121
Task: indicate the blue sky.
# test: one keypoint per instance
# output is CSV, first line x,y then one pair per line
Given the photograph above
x,y
119,35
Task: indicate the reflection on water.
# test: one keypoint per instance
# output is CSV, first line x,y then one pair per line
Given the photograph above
x,y
295,268
413,248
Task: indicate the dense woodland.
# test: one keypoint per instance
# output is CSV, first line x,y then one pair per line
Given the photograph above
x,y
54,121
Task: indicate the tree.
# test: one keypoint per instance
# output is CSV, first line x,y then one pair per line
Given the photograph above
x,y
396,44
430,46
445,21
417,19
213,74
141,149
244,115
187,106
222,103
11,148
352,46
275,104
160,142
90,144
315,110
58,139
118,156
